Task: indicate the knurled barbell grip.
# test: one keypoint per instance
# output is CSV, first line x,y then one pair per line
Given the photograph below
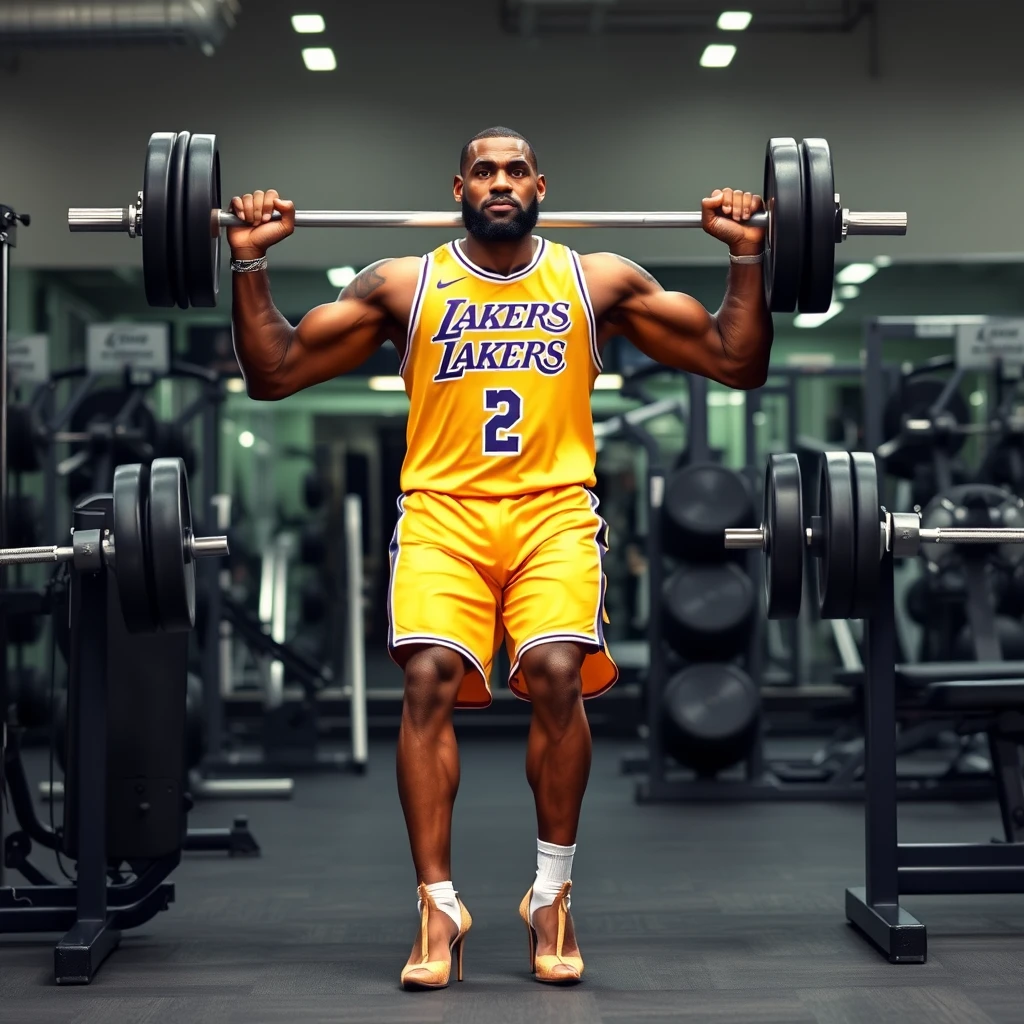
x,y
33,556
972,535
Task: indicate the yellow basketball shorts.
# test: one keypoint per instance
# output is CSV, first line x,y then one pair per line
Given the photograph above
x,y
467,573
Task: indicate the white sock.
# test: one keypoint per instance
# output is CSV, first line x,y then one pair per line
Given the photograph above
x,y
554,869
446,898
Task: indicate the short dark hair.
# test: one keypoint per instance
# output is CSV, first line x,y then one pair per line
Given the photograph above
x,y
497,132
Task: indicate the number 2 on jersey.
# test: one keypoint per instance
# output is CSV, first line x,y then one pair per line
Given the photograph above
x,y
507,406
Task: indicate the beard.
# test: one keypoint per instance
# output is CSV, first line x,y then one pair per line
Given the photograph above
x,y
511,229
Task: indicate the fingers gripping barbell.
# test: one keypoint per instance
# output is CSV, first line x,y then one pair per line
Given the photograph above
x,y
178,215
151,548
846,538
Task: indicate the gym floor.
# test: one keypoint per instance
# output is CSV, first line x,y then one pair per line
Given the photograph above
x,y
717,912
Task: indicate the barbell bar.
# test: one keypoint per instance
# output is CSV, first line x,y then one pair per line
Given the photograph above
x,y
195,547
177,213
842,526
754,538
117,219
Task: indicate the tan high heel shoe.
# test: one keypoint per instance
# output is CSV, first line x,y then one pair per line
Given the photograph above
x,y
556,969
435,973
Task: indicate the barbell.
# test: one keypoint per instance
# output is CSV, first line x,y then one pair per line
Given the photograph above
x,y
847,536
177,213
151,548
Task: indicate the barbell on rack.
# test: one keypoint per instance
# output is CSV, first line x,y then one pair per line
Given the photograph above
x,y
151,548
847,536
177,213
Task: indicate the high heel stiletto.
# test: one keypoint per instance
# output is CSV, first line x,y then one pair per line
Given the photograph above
x,y
435,973
556,969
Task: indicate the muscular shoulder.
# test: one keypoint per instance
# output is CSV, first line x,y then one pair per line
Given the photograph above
x,y
389,281
611,269
612,279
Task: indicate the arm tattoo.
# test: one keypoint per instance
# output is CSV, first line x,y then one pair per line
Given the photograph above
x,y
366,282
649,278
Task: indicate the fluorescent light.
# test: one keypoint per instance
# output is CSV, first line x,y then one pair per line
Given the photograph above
x,y
608,382
236,385
246,439
977,398
717,55
856,273
848,291
883,261
386,383
817,319
319,58
341,277
734,21
308,23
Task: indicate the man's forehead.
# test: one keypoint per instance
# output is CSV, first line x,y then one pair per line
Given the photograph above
x,y
500,150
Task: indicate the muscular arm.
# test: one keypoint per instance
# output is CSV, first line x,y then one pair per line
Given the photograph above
x,y
278,360
732,346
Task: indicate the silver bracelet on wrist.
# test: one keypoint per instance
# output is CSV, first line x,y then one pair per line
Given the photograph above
x,y
759,258
248,266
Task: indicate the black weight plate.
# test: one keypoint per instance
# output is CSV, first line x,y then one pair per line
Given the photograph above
x,y
836,549
701,501
202,234
176,219
707,611
784,239
710,717
820,222
913,400
131,556
868,509
156,201
785,539
170,527
24,439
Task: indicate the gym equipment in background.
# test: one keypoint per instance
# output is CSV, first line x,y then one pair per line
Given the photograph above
x,y
986,696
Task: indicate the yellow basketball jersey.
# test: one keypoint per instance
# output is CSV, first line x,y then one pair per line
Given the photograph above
x,y
499,372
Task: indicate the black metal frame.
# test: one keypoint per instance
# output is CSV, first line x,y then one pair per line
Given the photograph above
x,y
892,868
93,911
8,240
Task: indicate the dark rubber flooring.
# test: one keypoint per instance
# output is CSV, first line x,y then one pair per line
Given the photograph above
x,y
686,913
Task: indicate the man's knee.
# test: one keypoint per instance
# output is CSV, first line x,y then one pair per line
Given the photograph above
x,y
432,678
552,674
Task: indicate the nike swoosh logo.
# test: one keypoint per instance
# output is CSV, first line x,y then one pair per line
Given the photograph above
x,y
448,284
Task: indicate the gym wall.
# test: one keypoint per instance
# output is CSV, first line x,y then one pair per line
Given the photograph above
x,y
619,121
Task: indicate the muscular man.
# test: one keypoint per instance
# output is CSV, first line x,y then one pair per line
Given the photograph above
x,y
498,538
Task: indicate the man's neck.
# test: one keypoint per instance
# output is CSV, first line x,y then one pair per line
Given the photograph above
x,y
505,258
